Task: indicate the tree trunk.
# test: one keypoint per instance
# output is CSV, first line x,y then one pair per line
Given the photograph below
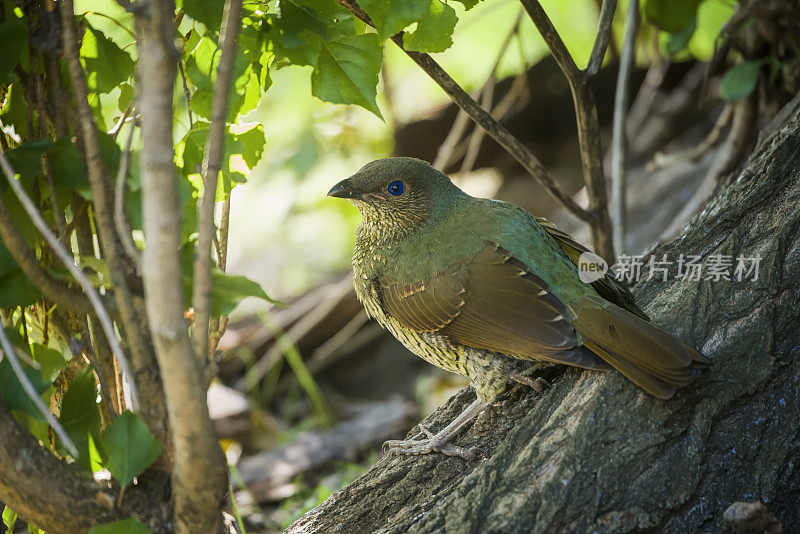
x,y
596,454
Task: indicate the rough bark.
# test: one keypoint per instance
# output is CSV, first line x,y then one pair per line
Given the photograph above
x,y
199,477
596,454
53,506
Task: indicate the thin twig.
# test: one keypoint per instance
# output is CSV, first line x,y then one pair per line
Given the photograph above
x,y
604,25
114,131
618,140
661,160
447,149
120,218
497,131
47,167
588,130
212,163
186,93
10,353
218,327
68,261
55,290
476,139
132,322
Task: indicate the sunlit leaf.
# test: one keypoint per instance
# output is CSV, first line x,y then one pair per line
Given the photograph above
x,y
302,23
15,109
392,17
209,12
80,416
740,80
129,447
434,31
249,144
107,65
125,97
468,4
9,519
51,360
347,71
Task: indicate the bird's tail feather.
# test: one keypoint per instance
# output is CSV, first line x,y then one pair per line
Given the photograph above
x,y
656,361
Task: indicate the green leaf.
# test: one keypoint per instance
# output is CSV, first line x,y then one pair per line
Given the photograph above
x,y
679,40
26,159
17,290
124,526
7,263
15,109
12,393
252,95
51,360
671,15
126,96
434,31
129,447
249,144
107,65
227,290
9,519
347,71
740,80
14,36
301,23
201,63
209,12
468,4
390,18
67,166
190,149
80,416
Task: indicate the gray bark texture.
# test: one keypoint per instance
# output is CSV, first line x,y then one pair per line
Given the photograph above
x,y
596,454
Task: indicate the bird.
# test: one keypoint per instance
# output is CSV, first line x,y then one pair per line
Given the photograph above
x,y
482,288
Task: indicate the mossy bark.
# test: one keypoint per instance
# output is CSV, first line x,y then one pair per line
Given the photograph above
x,y
596,454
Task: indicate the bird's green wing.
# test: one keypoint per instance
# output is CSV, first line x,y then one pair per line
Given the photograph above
x,y
607,287
491,301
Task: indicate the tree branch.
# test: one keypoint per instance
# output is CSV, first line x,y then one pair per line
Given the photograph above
x,y
53,506
120,219
199,477
212,163
497,131
54,290
604,25
618,141
67,259
30,391
588,130
127,284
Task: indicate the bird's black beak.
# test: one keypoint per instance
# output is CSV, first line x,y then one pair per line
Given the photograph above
x,y
345,189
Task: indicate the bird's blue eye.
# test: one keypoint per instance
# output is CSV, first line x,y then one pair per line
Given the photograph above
x,y
395,188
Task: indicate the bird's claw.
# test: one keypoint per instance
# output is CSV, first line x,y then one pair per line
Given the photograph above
x,y
537,384
428,446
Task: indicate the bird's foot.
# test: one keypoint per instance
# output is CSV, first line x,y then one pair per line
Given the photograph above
x,y
433,443
537,384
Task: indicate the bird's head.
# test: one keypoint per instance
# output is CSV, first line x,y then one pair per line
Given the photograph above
x,y
397,194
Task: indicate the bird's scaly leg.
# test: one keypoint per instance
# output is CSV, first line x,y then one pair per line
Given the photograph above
x,y
440,442
537,384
